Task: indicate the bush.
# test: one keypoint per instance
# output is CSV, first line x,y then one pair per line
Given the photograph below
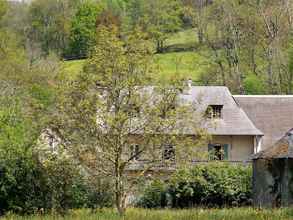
x,y
71,188
23,186
213,185
27,187
154,195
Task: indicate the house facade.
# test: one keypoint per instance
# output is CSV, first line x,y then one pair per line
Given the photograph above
x,y
242,124
239,125
234,137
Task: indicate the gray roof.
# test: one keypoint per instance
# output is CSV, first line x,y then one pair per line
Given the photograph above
x,y
272,114
234,120
282,149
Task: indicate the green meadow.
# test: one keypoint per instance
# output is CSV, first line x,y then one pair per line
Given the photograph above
x,y
189,62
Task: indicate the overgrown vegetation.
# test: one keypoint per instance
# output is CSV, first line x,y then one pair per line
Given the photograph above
x,y
209,185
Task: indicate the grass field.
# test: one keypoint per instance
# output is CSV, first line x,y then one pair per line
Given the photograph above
x,y
191,214
183,37
186,64
189,64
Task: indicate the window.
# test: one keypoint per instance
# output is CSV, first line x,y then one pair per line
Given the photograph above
x,y
214,111
168,152
133,111
218,151
135,151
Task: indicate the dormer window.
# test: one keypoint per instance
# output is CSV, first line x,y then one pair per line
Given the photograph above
x,y
214,111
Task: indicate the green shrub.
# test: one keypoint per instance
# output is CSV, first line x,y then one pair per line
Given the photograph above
x,y
154,195
254,84
23,186
27,187
213,185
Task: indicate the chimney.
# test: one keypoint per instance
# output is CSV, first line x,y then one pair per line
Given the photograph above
x,y
189,83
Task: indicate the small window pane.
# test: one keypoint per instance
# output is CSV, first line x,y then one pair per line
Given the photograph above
x,y
169,153
218,151
135,151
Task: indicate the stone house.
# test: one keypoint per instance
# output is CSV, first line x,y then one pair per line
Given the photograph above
x,y
242,124
234,136
239,125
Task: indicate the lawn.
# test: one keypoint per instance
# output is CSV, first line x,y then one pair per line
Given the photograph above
x,y
191,214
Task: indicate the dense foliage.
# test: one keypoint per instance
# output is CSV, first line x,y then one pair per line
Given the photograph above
x,y
28,184
83,30
29,187
213,185
246,44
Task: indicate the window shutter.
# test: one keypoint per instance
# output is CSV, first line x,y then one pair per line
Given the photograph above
x,y
226,151
210,151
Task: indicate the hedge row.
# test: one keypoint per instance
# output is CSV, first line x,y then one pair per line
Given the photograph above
x,y
212,185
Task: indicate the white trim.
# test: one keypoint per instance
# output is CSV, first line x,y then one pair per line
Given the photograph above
x,y
257,144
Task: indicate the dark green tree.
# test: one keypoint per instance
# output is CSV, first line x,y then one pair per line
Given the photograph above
x,y
83,29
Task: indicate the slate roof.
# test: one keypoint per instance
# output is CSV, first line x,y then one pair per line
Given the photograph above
x,y
282,149
234,120
272,114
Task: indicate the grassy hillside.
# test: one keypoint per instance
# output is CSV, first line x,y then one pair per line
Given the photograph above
x,y
188,63
73,67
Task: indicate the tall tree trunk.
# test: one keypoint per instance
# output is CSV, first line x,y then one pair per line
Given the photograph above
x,y
200,35
252,60
120,202
120,194
270,68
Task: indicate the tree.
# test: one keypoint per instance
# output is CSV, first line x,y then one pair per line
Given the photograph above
x,y
49,24
196,12
83,29
26,96
110,118
289,77
157,18
3,8
246,40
